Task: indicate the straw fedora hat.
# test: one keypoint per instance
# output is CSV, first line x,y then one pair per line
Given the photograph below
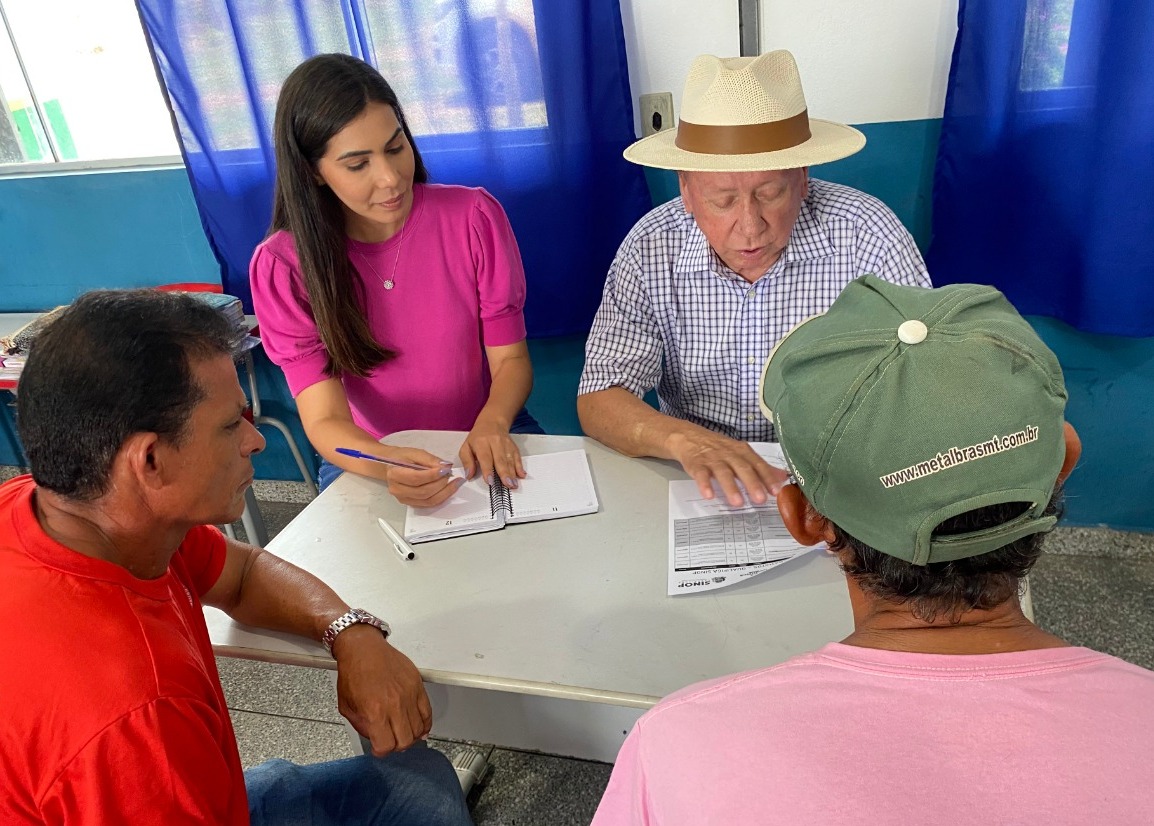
x,y
745,114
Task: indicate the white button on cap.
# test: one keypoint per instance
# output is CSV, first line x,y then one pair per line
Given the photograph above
x,y
912,332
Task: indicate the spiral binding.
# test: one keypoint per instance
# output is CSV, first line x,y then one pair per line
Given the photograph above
x,y
500,499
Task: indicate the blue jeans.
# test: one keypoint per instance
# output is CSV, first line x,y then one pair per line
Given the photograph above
x,y
522,423
416,786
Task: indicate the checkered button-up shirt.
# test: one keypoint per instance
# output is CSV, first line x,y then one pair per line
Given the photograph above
x,y
674,317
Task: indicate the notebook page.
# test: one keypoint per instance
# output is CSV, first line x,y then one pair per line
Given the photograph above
x,y
556,485
468,511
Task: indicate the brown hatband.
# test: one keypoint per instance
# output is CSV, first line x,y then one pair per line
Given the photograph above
x,y
745,139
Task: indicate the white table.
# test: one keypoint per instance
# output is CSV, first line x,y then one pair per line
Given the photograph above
x,y
551,635
9,324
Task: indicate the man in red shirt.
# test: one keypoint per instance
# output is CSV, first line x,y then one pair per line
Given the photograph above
x,y
133,422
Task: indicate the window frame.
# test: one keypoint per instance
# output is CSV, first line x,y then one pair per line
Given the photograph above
x,y
50,167
105,165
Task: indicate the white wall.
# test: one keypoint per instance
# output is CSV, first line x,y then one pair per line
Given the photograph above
x,y
663,36
865,62
861,62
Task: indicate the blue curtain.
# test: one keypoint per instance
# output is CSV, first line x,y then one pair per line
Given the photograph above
x,y
528,98
1044,184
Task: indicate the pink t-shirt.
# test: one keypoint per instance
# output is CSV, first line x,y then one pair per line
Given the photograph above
x,y
459,286
851,735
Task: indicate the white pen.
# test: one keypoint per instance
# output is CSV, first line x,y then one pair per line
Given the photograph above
x,y
399,544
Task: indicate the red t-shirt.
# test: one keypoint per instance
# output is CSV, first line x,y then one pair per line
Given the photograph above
x,y
111,709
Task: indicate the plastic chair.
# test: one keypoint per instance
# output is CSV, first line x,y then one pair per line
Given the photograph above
x,y
191,287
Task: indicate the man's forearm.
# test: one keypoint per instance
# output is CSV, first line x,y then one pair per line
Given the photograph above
x,y
617,418
380,689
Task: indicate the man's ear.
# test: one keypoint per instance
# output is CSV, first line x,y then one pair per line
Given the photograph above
x,y
804,524
1073,451
683,186
141,459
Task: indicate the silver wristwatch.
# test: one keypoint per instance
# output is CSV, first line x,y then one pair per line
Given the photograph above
x,y
350,619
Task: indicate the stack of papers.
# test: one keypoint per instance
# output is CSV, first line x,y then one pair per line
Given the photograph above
x,y
10,367
231,308
714,545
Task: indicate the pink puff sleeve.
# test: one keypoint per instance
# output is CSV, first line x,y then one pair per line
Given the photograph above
x,y
500,273
287,329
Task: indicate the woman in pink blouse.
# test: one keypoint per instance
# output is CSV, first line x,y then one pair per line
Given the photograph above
x,y
389,302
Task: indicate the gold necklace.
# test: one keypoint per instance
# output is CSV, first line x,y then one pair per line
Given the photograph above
x,y
387,283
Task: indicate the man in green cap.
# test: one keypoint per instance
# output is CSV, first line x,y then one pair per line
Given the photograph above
x,y
926,437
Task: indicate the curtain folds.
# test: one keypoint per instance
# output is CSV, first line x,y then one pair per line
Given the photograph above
x,y
1044,184
528,98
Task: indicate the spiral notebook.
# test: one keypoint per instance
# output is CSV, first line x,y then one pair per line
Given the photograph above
x,y
557,485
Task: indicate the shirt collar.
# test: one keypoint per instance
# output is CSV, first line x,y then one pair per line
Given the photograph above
x,y
809,239
696,254
31,539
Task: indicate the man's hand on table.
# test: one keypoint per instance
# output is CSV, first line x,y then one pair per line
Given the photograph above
x,y
379,690
708,456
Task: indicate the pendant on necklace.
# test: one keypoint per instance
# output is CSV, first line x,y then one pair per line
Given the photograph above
x,y
388,285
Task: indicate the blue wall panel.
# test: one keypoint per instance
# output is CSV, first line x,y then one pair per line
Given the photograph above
x,y
1110,380
63,234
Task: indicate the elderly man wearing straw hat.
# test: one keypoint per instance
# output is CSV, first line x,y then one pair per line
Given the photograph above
x,y
704,286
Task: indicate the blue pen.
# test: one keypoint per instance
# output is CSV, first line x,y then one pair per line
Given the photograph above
x,y
356,454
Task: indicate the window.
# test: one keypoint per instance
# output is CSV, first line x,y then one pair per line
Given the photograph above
x,y
1045,44
77,81
77,84
424,49
428,47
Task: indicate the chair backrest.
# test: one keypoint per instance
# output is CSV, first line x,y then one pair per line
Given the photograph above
x,y
192,287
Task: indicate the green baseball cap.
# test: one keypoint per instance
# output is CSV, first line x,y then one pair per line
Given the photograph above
x,y
901,407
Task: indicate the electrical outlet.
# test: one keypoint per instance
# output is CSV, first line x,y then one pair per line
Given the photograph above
x,y
656,113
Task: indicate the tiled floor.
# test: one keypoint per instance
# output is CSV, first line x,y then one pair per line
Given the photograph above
x,y
1094,587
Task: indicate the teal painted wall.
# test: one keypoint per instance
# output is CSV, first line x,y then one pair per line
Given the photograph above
x,y
63,234
1110,380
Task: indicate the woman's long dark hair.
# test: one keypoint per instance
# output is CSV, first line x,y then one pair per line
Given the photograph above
x,y
318,100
